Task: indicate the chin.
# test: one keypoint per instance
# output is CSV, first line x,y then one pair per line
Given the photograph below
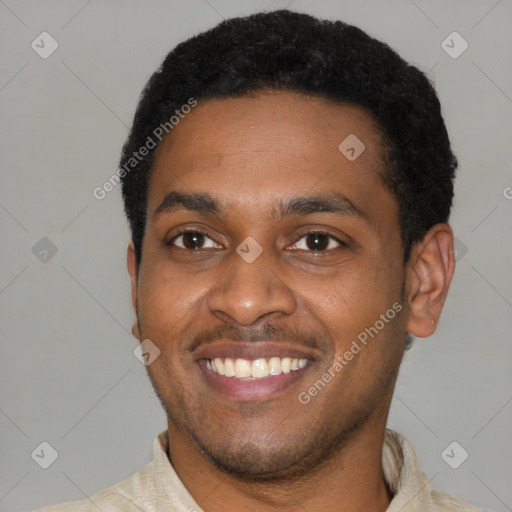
x,y
274,458
251,462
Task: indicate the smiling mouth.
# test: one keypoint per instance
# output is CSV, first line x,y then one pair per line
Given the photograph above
x,y
245,369
253,380
254,371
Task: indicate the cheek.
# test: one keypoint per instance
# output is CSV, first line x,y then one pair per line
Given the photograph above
x,y
352,299
167,298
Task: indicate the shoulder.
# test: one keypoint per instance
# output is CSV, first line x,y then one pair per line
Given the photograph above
x,y
144,491
107,500
129,495
447,503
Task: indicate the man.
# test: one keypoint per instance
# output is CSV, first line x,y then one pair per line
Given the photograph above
x,y
288,183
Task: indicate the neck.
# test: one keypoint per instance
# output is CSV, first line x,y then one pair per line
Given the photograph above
x,y
351,480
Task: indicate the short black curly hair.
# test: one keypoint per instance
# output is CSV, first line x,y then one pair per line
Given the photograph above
x,y
285,50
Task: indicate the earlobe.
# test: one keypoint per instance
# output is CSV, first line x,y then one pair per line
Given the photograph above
x,y
131,262
136,330
429,274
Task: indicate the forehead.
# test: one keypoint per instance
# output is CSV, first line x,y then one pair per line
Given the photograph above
x,y
252,150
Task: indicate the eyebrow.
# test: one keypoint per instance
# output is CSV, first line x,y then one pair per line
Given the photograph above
x,y
204,204
201,203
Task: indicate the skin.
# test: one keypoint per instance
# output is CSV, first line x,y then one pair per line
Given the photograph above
x,y
249,154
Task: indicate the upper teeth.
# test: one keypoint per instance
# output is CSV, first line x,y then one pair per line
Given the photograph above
x,y
258,368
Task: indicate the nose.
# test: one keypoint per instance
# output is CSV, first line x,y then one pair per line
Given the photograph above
x,y
249,291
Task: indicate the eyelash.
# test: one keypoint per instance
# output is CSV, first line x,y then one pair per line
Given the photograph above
x,y
342,245
314,232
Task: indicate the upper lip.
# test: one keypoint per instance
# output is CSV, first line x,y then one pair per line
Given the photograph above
x,y
253,350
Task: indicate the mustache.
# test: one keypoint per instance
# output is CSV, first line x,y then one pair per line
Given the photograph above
x,y
264,332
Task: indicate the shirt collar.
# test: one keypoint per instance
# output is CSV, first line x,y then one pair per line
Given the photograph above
x,y
410,487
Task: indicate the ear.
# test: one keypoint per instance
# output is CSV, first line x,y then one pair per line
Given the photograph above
x,y
131,261
429,274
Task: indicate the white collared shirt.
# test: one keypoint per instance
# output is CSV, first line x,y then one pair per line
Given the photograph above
x,y
157,488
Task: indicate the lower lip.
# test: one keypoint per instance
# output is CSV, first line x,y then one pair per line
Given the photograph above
x,y
251,390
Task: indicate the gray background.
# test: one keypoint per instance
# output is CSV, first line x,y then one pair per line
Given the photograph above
x,y
68,373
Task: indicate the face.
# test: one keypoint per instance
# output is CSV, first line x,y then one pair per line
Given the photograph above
x,y
267,253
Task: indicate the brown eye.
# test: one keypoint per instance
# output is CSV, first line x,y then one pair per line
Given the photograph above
x,y
317,241
193,240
